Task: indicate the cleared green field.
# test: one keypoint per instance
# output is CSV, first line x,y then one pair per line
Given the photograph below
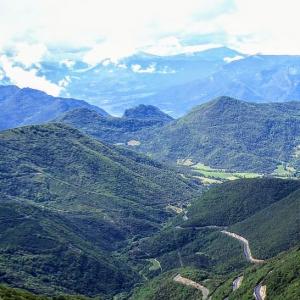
x,y
220,174
284,171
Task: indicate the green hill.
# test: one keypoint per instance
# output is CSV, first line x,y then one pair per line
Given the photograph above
x,y
147,112
280,275
265,211
113,129
275,228
231,134
234,201
69,204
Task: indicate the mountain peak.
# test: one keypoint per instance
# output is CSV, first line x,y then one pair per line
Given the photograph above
x,y
226,100
220,104
143,111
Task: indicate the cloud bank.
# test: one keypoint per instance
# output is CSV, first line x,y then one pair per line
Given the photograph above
x,y
96,31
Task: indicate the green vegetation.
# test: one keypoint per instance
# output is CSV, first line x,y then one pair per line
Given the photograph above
x,y
220,174
8,293
275,228
155,265
81,217
280,275
164,288
206,249
113,129
254,208
70,205
284,171
235,201
230,134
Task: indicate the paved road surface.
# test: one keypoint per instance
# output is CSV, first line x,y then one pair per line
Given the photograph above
x,y
260,292
237,283
245,242
205,291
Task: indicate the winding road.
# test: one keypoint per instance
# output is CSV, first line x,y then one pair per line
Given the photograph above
x,y
185,281
245,242
260,292
237,283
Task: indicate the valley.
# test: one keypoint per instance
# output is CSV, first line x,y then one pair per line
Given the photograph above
x,y
100,207
149,150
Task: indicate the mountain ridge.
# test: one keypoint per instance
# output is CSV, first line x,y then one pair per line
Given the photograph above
x,y
19,107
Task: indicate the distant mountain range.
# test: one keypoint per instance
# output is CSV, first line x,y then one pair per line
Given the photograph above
x,y
224,133
19,107
258,78
174,83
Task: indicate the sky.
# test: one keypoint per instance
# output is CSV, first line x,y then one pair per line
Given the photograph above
x,y
93,30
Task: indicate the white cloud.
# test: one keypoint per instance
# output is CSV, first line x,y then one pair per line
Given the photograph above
x,y
231,59
265,26
115,29
27,78
65,82
152,68
108,27
112,50
1,74
138,68
29,55
172,46
68,63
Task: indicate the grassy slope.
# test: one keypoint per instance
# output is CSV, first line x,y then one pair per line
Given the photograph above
x,y
58,167
88,199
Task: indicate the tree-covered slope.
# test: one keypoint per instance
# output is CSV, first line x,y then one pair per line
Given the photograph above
x,y
265,211
147,112
19,107
9,293
191,241
67,201
274,228
231,134
235,201
280,275
114,129
44,252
